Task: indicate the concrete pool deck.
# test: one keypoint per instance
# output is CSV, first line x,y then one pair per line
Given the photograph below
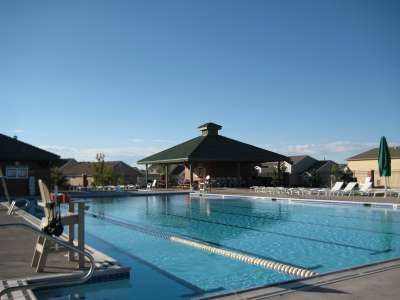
x,y
378,281
17,245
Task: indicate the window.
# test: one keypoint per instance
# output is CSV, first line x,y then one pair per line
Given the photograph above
x,y
17,172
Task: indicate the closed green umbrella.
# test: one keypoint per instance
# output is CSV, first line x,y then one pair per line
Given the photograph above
x,y
384,161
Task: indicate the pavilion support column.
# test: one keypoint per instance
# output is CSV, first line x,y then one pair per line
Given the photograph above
x,y
191,176
238,173
147,174
166,177
279,173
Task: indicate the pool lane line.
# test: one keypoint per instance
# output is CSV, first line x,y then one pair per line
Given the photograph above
x,y
236,255
290,221
301,222
274,233
270,211
266,208
156,232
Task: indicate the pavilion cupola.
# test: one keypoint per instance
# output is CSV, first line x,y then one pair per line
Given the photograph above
x,y
209,129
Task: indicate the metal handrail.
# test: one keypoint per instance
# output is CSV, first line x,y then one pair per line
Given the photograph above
x,y
85,278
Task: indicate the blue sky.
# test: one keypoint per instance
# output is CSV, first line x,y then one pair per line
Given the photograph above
x,y
129,78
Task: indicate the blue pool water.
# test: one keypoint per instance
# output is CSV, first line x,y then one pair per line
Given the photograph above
x,y
318,237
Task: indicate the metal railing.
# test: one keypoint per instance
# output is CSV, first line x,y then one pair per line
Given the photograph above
x,y
54,282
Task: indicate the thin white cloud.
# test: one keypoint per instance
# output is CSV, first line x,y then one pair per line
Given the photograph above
x,y
337,150
127,154
18,130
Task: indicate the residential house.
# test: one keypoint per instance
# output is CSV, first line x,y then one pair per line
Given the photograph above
x,y
365,164
305,168
81,173
22,165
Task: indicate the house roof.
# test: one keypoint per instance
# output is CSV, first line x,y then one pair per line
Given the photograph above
x,y
296,158
372,154
65,161
213,148
78,168
318,165
13,149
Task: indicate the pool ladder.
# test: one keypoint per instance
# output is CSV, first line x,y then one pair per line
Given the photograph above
x,y
14,203
54,282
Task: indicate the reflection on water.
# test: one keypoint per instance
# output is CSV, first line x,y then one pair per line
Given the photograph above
x,y
167,212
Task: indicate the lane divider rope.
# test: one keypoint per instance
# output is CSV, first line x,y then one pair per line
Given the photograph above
x,y
253,260
249,259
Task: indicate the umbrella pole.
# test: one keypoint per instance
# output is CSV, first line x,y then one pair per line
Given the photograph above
x,y
385,186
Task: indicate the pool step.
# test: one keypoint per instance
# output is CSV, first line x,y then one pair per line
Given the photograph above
x,y
20,294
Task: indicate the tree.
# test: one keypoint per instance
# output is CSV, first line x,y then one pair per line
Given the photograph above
x,y
334,173
341,173
315,180
346,175
103,174
57,178
278,173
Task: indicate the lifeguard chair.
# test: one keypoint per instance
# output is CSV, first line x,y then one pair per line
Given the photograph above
x,y
43,245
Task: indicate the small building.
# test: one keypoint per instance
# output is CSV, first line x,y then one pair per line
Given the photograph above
x,y
319,174
22,165
81,173
215,155
365,165
302,170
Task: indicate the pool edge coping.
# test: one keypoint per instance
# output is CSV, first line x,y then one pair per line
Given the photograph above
x,y
299,283
394,206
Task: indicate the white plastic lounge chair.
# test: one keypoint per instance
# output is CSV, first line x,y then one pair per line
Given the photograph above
x,y
152,185
311,191
349,189
378,192
366,189
335,189
393,192
256,188
367,181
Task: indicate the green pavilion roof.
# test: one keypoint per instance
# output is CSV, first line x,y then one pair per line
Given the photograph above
x,y
213,147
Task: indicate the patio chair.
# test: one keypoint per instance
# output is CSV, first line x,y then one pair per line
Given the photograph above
x,y
152,185
393,192
349,189
311,191
365,189
335,189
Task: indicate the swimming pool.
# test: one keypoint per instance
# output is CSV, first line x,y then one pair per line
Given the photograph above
x,y
312,236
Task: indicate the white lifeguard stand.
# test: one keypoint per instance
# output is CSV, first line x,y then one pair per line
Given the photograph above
x,y
44,246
